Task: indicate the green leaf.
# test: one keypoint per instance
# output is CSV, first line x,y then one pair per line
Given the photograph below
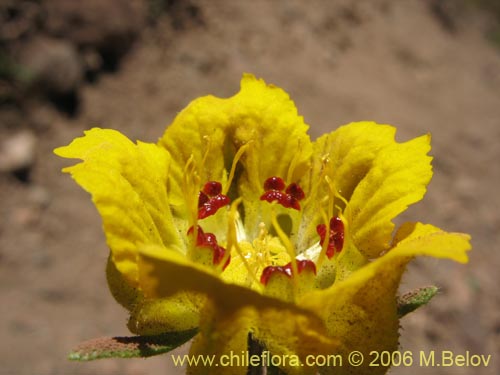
x,y
130,347
411,301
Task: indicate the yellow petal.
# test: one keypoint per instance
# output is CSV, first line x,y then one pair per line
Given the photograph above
x,y
153,316
283,327
414,239
398,178
179,312
361,311
344,156
128,186
223,336
213,129
378,176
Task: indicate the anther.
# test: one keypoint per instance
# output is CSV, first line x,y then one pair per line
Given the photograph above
x,y
335,237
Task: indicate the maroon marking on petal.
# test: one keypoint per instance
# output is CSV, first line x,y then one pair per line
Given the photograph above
x,y
274,192
272,195
306,264
207,210
270,270
288,201
295,191
287,270
208,202
321,229
274,183
209,240
220,200
200,237
212,188
202,199
335,237
219,253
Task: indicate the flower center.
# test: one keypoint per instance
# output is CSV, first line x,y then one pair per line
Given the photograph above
x,y
271,261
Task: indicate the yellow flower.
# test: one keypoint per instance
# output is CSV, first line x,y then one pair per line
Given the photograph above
x,y
236,223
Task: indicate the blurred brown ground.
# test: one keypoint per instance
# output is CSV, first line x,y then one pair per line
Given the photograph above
x,y
423,66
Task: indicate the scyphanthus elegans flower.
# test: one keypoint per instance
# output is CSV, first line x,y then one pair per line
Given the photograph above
x,y
235,223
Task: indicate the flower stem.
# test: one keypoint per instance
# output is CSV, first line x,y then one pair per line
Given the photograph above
x,y
255,348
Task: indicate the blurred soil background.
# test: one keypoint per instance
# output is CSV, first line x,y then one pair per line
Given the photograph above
x,y
65,66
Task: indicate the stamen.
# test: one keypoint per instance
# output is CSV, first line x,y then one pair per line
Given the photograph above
x,y
331,196
324,245
315,188
237,157
207,151
232,239
286,241
293,164
190,182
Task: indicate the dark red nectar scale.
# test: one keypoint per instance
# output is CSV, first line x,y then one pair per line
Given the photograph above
x,y
289,198
210,241
287,270
210,199
335,237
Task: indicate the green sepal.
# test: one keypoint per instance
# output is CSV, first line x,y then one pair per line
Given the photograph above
x,y
411,301
130,347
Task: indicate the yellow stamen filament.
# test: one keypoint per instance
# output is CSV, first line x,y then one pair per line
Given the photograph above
x,y
232,240
288,246
331,196
324,247
191,182
315,188
236,158
293,164
326,218
207,151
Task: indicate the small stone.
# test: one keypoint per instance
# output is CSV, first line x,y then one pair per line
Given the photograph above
x,y
17,152
54,64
